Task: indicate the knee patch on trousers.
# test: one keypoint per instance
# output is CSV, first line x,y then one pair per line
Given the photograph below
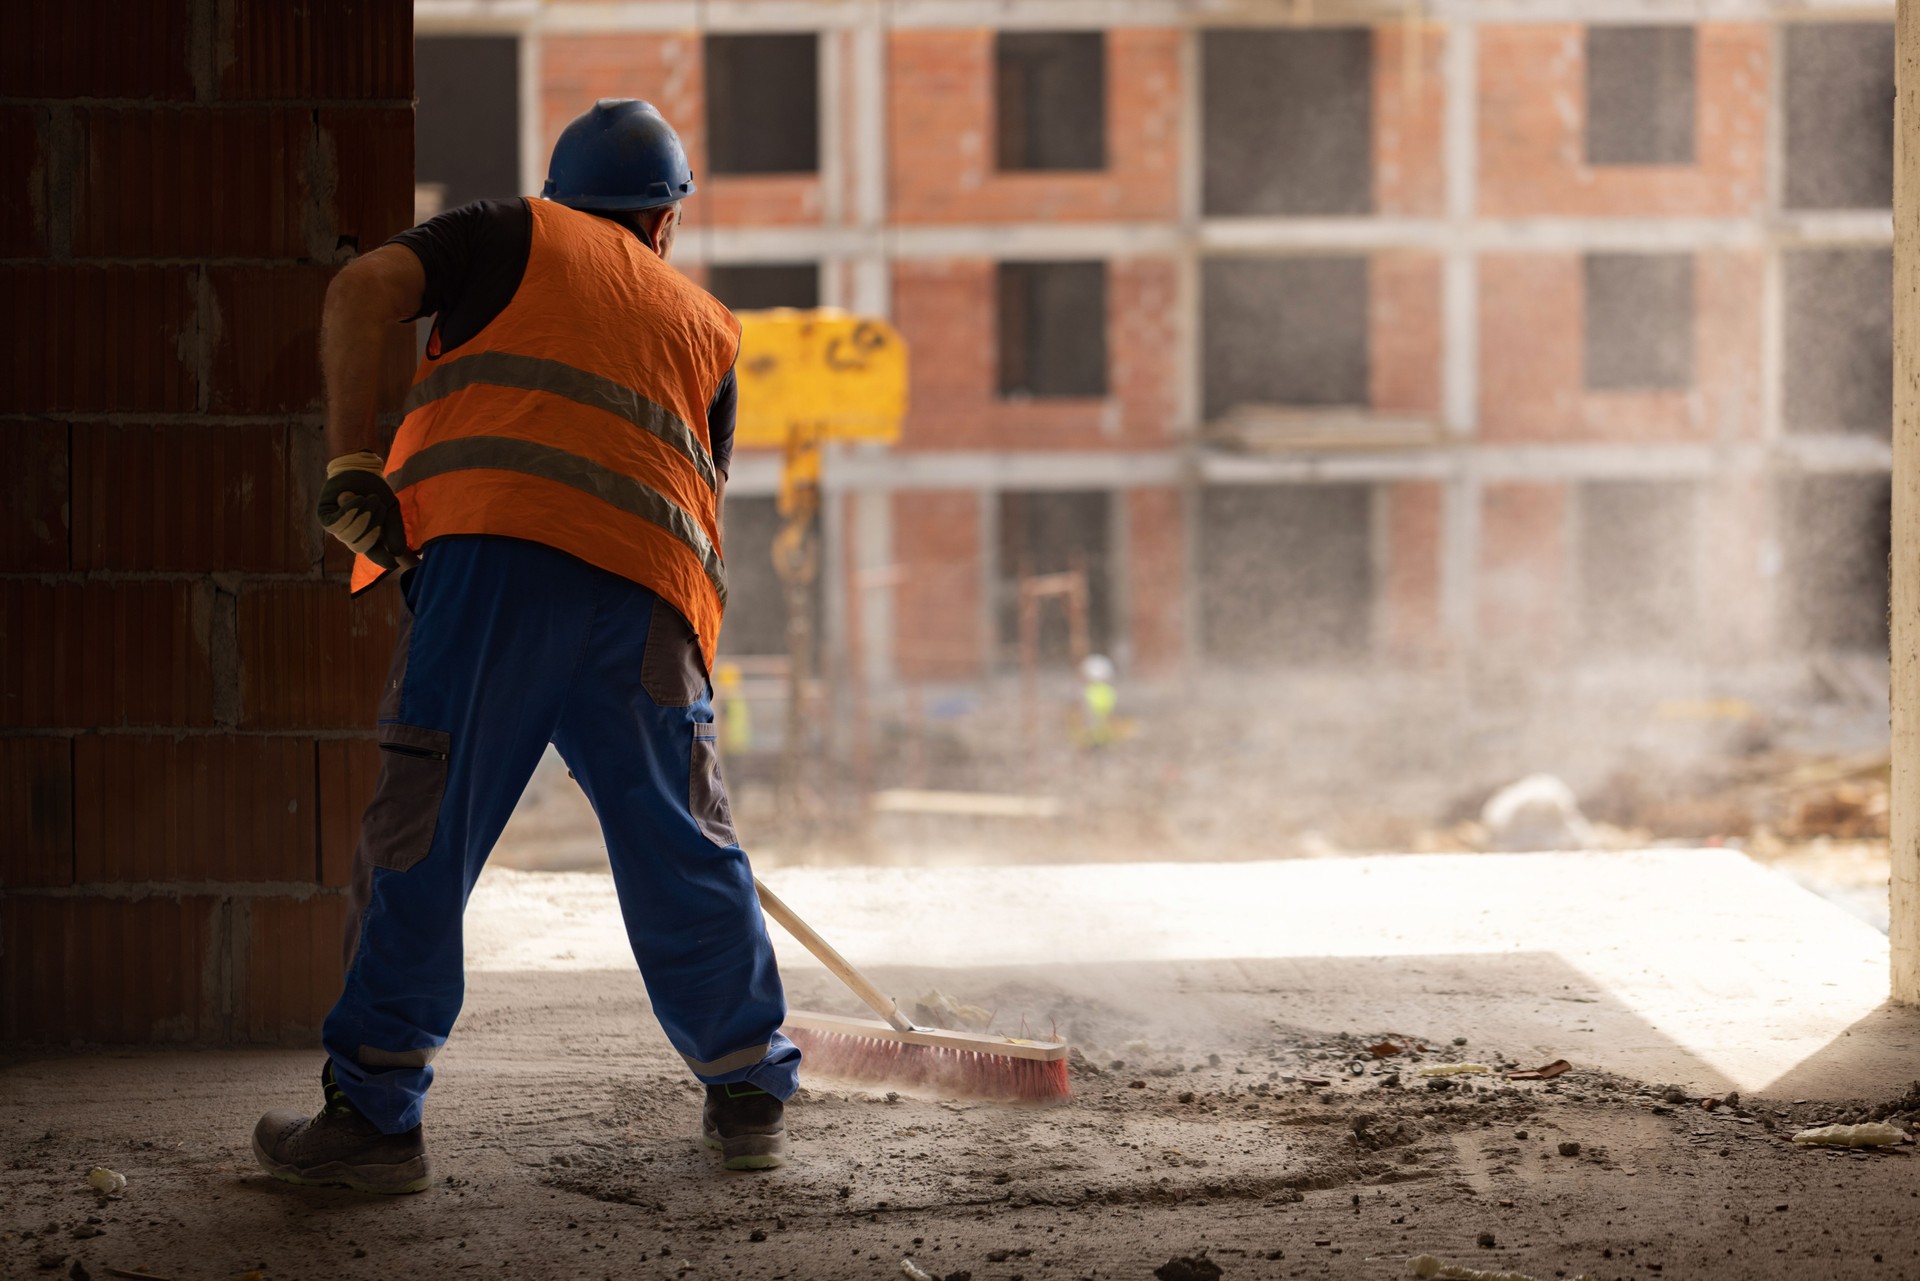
x,y
706,793
399,825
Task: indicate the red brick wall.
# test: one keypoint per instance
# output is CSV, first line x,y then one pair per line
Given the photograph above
x,y
1533,120
945,309
1409,112
936,545
667,70
1403,332
1532,356
942,135
1410,597
1156,572
1523,567
185,691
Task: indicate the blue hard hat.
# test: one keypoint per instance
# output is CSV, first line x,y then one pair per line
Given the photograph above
x,y
621,154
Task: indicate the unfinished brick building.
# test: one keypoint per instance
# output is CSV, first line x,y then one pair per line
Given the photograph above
x,y
1316,334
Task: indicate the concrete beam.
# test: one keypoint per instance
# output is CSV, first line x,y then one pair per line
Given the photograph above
x,y
1905,605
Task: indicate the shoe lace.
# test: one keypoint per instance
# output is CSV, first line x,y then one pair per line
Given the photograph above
x,y
337,1103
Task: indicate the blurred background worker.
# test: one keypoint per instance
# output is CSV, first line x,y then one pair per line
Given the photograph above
x,y
560,472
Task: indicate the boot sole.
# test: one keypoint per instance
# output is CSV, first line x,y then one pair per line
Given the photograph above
x,y
749,1151
382,1180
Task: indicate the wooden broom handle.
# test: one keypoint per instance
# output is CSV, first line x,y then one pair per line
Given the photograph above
x,y
879,1002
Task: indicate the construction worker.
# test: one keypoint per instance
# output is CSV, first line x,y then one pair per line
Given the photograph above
x,y
558,476
1099,699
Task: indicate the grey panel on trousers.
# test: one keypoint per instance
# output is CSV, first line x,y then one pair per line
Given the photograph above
x,y
466,126
1050,100
1835,534
1049,532
1640,97
1839,115
1283,331
1638,589
1053,328
763,103
1839,341
1287,121
1286,573
1639,322
749,286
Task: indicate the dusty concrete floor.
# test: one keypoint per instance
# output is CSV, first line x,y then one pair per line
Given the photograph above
x,y
561,1122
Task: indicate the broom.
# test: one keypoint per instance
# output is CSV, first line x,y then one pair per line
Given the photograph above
x,y
893,1049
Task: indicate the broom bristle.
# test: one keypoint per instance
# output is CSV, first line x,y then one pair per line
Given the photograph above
x,y
977,1074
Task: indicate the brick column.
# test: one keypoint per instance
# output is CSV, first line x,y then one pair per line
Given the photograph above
x,y
186,693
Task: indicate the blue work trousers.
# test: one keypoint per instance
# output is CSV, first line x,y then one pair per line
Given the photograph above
x,y
513,645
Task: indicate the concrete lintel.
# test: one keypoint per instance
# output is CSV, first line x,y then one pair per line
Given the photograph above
x,y
1003,470
1835,453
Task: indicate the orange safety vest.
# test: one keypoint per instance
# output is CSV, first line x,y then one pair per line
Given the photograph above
x,y
578,419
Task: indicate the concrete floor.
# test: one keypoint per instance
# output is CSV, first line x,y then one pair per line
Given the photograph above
x,y
560,1123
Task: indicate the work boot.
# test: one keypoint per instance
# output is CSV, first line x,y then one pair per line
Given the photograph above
x,y
743,1123
339,1147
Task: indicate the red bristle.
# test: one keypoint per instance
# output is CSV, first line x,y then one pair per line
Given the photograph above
x,y
974,1074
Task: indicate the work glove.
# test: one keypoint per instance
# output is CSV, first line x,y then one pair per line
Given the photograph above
x,y
357,507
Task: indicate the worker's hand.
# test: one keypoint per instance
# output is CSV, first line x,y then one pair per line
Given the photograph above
x,y
357,507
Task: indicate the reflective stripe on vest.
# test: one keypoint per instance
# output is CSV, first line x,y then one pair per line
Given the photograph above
x,y
506,453
531,373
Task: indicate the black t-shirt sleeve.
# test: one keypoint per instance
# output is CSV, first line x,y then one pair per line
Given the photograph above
x,y
720,416
474,257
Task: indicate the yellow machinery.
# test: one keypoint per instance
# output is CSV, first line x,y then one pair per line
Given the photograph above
x,y
806,378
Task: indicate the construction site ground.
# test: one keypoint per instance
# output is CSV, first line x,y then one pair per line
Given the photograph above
x,y
1205,1002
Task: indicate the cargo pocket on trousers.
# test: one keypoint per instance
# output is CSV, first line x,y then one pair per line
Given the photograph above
x,y
399,826
672,670
706,793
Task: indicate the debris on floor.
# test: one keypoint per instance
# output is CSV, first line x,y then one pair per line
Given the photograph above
x,y
1429,1268
107,1182
1183,1268
1537,813
1545,1072
1872,1134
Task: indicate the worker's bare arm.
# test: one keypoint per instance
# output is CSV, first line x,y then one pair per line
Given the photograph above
x,y
371,294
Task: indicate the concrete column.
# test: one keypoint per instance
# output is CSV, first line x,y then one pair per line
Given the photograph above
x,y
1905,906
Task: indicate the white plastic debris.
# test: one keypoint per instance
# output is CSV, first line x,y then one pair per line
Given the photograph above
x,y
914,1272
1426,1266
1537,813
1873,1134
107,1181
1453,1069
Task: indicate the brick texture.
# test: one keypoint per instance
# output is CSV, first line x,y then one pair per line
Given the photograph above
x,y
1409,111
346,772
943,164
1156,580
34,531
36,811
266,355
364,162
76,656
23,216
1532,143
1532,356
936,544
352,49
947,306
1403,333
210,497
310,657
181,184
103,969
98,49
199,808
1410,613
1523,560
291,973
103,339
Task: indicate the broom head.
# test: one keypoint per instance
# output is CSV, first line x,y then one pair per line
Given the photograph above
x,y
972,1064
